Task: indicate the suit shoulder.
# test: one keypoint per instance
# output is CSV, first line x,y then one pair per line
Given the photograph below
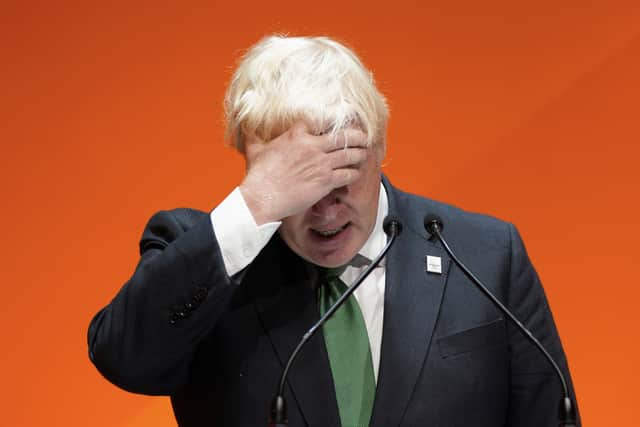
x,y
459,223
185,217
166,225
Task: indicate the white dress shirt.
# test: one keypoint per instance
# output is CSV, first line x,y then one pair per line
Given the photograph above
x,y
241,240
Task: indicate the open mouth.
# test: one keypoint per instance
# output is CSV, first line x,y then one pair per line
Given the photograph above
x,y
327,234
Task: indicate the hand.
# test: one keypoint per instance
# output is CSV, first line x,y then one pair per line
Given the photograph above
x,y
290,173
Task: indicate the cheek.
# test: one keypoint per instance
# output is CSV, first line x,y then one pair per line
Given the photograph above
x,y
366,192
291,229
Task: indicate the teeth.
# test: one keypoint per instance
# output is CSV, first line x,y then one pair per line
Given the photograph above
x,y
329,233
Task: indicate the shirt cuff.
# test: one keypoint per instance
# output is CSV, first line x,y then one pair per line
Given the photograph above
x,y
239,237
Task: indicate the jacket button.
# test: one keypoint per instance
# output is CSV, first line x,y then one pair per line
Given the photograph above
x,y
188,307
174,318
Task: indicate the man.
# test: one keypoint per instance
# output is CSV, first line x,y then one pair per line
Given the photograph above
x,y
219,301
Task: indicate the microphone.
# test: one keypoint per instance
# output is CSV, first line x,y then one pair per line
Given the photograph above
x,y
278,414
566,409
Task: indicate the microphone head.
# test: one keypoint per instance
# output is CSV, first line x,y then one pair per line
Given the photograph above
x,y
431,221
392,225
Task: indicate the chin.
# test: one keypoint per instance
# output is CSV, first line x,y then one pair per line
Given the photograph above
x,y
331,260
329,263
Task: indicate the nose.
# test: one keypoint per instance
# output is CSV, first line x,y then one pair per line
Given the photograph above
x,y
330,205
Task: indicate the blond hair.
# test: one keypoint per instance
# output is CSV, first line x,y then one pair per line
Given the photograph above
x,y
281,80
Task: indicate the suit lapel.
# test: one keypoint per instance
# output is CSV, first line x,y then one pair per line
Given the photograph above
x,y
413,298
287,308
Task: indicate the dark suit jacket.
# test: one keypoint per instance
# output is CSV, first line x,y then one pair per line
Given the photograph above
x,y
181,327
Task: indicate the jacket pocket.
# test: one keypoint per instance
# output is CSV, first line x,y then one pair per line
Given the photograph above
x,y
485,335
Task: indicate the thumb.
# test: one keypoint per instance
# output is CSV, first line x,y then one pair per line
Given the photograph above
x,y
300,127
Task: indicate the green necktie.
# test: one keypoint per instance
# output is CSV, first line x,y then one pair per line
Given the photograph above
x,y
347,342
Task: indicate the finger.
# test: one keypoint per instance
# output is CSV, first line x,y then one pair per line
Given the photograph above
x,y
350,137
348,157
300,129
300,133
344,176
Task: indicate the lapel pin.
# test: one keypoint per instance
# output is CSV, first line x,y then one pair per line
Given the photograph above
x,y
434,264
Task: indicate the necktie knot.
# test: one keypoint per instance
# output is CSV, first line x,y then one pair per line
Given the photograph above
x,y
332,273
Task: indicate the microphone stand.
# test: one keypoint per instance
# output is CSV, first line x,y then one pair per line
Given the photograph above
x,y
566,408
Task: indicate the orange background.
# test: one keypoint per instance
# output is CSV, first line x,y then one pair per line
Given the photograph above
x,y
524,110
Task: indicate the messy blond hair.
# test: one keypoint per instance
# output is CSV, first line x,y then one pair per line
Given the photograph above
x,y
281,80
